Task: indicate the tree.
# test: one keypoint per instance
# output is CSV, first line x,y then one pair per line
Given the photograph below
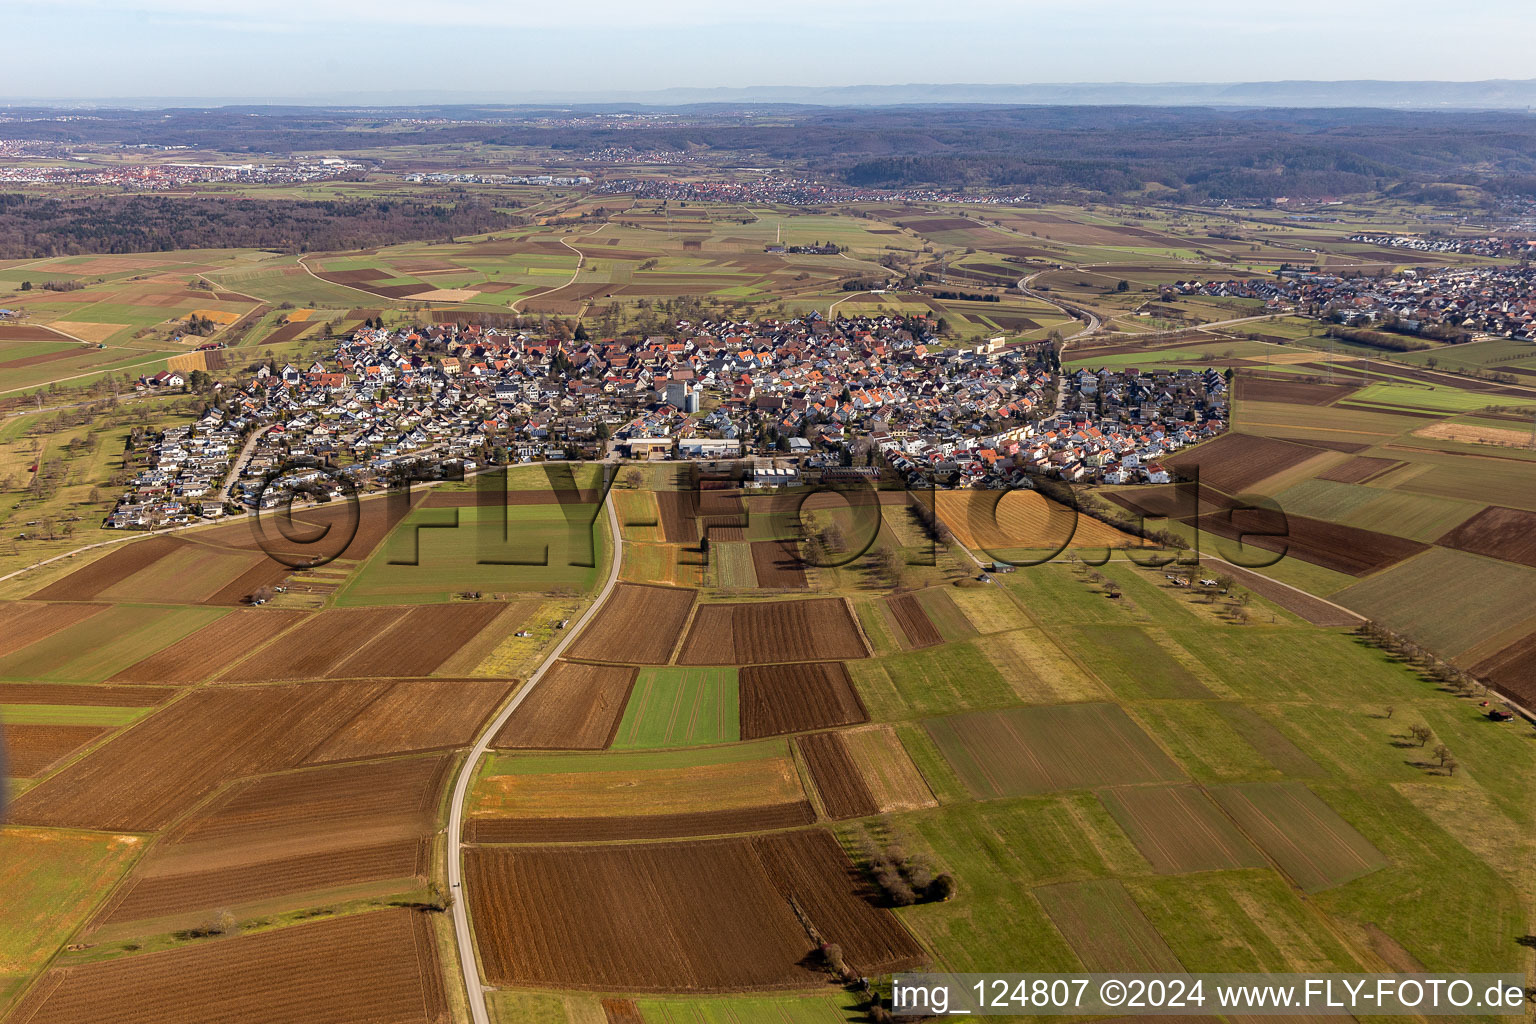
x,y
26,286
1442,754
1390,710
1422,733
832,953
1450,765
634,479
1123,286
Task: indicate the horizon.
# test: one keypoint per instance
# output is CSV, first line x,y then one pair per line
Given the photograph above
x,y
297,52
1454,95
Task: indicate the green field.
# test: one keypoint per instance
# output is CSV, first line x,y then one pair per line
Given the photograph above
x,y
1450,600
437,552
105,644
1432,399
68,714
953,677
733,565
52,879
805,1009
678,707
1418,517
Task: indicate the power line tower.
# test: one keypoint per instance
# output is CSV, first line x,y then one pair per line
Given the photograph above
x,y
944,268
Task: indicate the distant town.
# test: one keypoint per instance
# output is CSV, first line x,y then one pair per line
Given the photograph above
x,y
1494,300
792,191
158,177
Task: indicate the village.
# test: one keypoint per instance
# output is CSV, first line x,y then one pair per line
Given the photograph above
x,y
784,190
1496,300
160,177
808,392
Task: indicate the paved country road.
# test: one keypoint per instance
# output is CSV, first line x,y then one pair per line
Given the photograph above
x,y
463,937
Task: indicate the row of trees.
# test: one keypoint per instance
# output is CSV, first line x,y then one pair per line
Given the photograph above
x,y
1429,664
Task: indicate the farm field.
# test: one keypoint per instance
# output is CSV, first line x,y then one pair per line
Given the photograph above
x,y
713,918
1450,600
575,706
1179,830
379,966
588,797
675,707
778,699
146,776
816,629
844,793
1022,524
438,552
54,879
1033,750
616,633
1309,841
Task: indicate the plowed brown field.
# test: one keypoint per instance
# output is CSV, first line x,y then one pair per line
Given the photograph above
x,y
315,647
842,788
777,568
419,642
379,967
1235,462
1289,391
375,518
419,715
30,750
99,696
678,509
265,573
1346,549
820,629
395,797
704,916
1358,469
644,826
778,699
637,625
142,779
1498,532
1513,670
914,623
574,707
172,885
204,653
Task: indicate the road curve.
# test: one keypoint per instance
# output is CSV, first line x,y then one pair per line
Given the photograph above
x,y
463,937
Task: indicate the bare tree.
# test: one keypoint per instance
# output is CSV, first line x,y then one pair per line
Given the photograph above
x,y
1422,733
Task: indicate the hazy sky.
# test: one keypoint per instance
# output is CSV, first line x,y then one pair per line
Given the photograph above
x,y
300,48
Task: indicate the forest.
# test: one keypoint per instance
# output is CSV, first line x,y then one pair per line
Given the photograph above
x,y
1203,152
33,227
